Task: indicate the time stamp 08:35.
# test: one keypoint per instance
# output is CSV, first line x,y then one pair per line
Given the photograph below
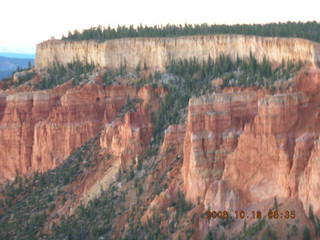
x,y
240,214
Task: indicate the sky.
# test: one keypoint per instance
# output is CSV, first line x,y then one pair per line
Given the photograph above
x,y
23,24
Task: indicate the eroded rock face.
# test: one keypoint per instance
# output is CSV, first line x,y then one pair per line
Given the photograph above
x,y
169,158
127,139
213,125
38,130
123,140
237,150
244,148
157,51
308,189
20,112
260,165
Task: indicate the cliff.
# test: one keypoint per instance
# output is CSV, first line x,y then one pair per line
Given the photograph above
x,y
245,148
238,149
39,129
156,52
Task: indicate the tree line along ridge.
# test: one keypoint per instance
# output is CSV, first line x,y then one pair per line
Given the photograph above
x,y
307,30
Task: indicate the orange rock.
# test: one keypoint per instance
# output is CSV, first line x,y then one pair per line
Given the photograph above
x,y
244,148
213,126
38,130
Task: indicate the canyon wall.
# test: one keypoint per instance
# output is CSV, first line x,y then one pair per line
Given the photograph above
x,y
244,148
156,52
235,149
39,129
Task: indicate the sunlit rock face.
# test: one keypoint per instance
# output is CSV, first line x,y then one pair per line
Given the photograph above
x,y
128,138
156,52
260,165
213,127
38,130
236,150
244,148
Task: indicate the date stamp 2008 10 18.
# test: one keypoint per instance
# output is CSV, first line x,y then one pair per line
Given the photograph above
x,y
257,214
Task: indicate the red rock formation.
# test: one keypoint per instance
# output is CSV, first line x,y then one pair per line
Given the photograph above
x,y
20,113
38,130
260,165
213,126
170,160
237,149
308,190
127,139
122,141
241,149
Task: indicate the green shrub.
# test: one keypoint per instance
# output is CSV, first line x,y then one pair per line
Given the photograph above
x,y
306,234
269,235
59,74
130,106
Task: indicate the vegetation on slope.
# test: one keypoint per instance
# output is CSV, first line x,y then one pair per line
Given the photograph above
x,y
24,78
28,201
104,211
194,78
100,211
59,74
113,210
308,30
54,76
25,75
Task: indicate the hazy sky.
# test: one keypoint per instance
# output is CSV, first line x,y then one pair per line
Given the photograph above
x,y
23,24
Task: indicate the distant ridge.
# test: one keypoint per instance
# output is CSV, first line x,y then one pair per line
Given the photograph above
x,y
9,64
17,55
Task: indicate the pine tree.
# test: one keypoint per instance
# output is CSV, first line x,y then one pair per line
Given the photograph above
x,y
306,234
